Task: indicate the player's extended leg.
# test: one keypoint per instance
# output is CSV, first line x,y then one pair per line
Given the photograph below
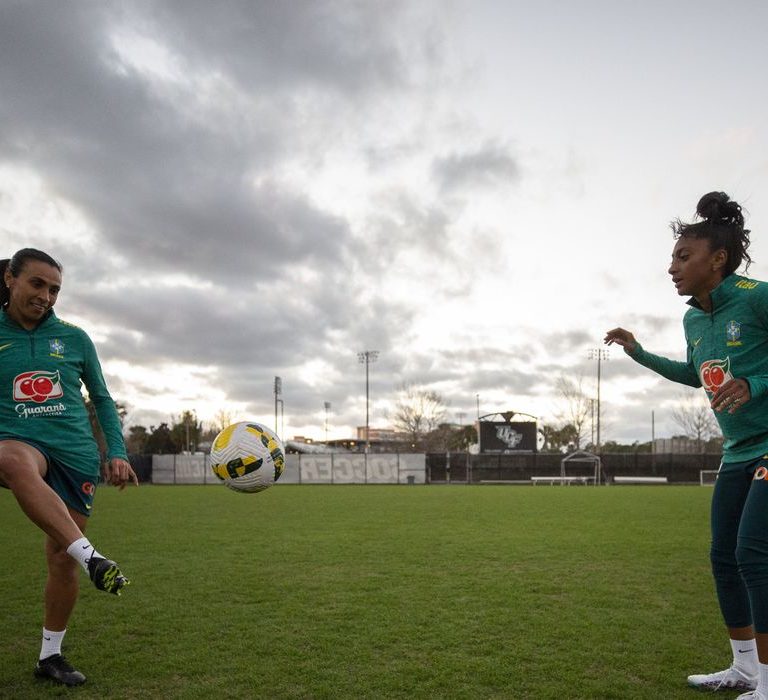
x,y
728,500
752,555
22,470
61,592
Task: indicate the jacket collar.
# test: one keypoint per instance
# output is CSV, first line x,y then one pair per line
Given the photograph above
x,y
720,294
6,320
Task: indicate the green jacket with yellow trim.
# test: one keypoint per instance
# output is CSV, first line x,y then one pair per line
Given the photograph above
x,y
41,375
729,341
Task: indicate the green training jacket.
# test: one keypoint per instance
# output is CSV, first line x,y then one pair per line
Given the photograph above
x,y
730,341
41,375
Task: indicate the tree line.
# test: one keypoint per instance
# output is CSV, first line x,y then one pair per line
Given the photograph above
x,y
419,417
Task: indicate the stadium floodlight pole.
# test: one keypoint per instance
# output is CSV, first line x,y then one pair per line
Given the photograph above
x,y
367,357
598,354
327,405
278,392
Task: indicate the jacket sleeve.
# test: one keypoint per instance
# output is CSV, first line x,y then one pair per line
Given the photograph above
x,y
680,372
106,411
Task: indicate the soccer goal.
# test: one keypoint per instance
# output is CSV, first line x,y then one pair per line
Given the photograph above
x,y
707,477
581,467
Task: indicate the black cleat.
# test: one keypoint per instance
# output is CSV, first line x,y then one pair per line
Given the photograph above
x,y
106,575
58,669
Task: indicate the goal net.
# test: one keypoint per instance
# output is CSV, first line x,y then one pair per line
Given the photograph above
x,y
581,467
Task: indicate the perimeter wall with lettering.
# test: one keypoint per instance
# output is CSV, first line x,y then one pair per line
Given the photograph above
x,y
435,468
304,469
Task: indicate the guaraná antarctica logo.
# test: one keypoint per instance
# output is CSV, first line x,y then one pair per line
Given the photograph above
x,y
715,373
39,387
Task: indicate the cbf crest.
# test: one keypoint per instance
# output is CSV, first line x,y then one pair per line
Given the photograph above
x,y
56,347
733,333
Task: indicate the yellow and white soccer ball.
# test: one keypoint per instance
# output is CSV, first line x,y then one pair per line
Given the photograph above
x,y
247,457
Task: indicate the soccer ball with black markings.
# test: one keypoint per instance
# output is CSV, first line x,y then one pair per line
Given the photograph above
x,y
248,457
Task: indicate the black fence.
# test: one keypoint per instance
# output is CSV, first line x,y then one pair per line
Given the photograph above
x,y
460,467
142,465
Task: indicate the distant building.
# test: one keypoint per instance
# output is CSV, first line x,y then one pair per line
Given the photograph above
x,y
381,434
381,440
678,445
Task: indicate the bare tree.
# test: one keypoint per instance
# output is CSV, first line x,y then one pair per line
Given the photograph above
x,y
418,412
576,406
222,418
694,416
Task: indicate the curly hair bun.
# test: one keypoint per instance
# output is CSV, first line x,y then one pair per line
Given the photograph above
x,y
718,208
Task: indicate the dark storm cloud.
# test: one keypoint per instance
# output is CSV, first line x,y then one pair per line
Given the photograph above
x,y
515,371
169,192
207,252
489,165
179,183
135,156
343,46
246,325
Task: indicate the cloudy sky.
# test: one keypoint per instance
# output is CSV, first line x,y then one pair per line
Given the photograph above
x,y
476,189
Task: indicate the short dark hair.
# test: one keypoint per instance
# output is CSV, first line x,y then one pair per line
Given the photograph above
x,y
16,263
722,224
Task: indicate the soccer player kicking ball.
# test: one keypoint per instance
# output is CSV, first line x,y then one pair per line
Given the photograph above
x,y
48,455
726,332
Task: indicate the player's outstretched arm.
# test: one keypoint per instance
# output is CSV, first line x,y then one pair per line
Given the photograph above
x,y
621,337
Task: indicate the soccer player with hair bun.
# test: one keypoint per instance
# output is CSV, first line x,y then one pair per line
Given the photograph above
x,y
48,455
726,334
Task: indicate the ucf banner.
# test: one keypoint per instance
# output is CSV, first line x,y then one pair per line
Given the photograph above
x,y
504,438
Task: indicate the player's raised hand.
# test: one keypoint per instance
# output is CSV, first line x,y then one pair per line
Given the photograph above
x,y
621,337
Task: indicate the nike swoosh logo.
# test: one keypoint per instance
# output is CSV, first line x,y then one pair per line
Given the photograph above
x,y
744,651
47,639
86,546
696,342
3,347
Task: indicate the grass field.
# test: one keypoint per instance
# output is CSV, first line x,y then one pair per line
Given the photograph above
x,y
379,592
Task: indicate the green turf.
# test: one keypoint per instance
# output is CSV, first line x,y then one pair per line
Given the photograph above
x,y
380,592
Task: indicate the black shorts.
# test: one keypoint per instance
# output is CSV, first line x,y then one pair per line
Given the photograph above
x,y
75,488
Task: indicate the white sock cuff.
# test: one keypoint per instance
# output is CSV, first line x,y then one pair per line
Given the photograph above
x,y
745,655
51,643
81,550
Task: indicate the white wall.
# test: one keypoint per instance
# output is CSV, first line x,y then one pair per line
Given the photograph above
x,y
332,468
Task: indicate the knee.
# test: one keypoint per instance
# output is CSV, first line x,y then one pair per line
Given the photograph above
x,y
9,469
17,470
724,564
752,558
